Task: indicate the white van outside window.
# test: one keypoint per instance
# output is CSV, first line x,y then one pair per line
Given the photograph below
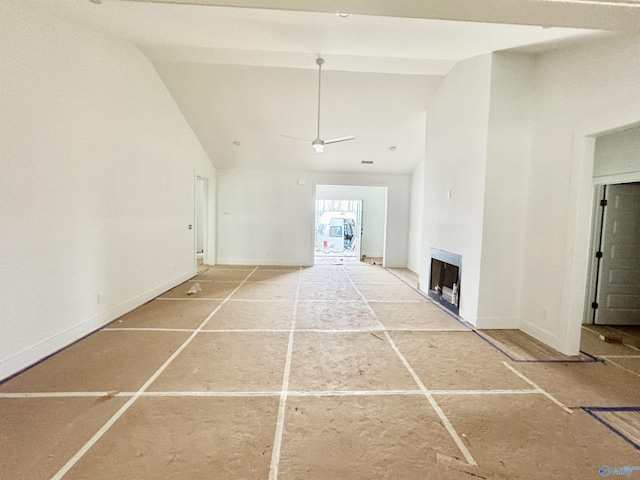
x,y
335,232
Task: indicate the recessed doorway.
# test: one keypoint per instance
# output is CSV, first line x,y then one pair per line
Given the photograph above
x,y
200,222
616,272
350,224
338,228
611,327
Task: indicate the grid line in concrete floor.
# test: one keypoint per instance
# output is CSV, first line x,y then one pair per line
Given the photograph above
x,y
409,396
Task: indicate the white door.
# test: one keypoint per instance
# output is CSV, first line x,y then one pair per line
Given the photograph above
x,y
618,286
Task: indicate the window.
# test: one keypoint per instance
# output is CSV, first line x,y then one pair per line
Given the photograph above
x,y
335,231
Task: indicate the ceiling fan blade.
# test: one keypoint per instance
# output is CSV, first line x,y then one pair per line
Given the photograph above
x,y
318,144
296,138
339,139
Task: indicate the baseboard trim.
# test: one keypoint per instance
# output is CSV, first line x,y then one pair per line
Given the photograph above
x,y
263,262
30,356
541,334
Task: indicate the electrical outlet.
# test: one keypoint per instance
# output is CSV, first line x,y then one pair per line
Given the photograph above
x,y
100,297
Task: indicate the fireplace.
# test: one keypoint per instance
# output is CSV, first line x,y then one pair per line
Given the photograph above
x,y
444,283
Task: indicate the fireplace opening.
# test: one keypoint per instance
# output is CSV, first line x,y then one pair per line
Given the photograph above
x,y
444,285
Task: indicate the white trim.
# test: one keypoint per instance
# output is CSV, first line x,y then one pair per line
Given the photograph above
x,y
579,230
261,262
545,336
92,441
209,257
596,222
35,353
618,178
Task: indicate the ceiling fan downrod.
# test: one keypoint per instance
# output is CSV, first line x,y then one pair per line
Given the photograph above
x,y
318,144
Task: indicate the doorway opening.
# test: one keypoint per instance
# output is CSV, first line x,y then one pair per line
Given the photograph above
x,y
613,316
350,224
338,228
200,222
616,283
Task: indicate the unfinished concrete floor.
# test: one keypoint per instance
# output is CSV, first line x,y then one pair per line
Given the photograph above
x,y
329,372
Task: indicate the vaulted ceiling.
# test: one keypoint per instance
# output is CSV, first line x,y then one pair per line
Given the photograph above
x,y
243,72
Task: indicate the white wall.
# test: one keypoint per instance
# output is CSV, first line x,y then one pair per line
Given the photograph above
x,y
513,138
617,153
415,220
508,155
374,210
252,205
455,161
581,91
264,218
96,186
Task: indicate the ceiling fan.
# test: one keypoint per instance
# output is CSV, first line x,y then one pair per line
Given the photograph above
x,y
318,144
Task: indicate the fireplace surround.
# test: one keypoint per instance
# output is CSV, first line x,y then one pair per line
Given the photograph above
x,y
444,279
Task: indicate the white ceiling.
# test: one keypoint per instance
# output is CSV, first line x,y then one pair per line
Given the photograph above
x,y
249,75
256,106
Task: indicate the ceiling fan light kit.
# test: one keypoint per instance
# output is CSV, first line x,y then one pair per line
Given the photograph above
x,y
318,144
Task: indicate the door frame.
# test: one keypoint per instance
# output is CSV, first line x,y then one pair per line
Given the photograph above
x,y
357,226
594,264
582,197
207,258
595,268
362,214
